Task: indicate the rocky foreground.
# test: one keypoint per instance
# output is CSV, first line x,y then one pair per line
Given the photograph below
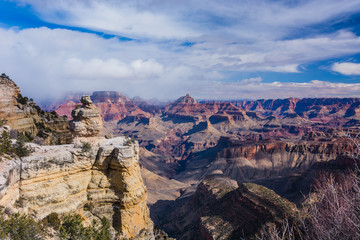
x,y
93,176
102,180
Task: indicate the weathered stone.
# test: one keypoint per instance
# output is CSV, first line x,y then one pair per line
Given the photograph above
x,y
16,115
22,115
220,209
63,179
87,120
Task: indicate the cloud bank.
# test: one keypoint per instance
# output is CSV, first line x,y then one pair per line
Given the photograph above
x,y
347,68
177,47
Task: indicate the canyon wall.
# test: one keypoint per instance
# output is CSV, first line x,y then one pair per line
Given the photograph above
x,y
23,115
17,116
253,160
103,180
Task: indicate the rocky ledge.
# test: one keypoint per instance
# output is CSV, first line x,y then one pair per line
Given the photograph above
x,y
220,209
95,177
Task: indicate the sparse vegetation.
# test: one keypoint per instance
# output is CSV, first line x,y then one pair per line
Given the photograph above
x,y
20,227
21,99
331,212
86,147
2,122
129,141
20,148
72,228
52,220
334,207
3,75
5,144
24,227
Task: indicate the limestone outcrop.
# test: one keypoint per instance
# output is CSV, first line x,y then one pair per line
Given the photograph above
x,y
98,179
87,120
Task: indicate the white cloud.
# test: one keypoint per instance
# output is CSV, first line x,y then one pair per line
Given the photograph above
x,y
96,69
228,36
251,80
251,20
46,63
121,18
347,68
257,89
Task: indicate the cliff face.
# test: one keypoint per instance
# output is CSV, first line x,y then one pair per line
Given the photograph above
x,y
18,116
220,209
24,116
253,160
102,181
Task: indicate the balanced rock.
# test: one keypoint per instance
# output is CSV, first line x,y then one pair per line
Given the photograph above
x,y
87,120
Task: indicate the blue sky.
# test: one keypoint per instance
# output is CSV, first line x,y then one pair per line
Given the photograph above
x,y
212,49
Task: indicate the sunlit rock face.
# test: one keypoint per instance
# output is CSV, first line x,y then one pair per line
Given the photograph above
x,y
103,180
24,116
17,115
87,120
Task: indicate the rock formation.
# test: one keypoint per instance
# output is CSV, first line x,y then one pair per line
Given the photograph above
x,y
100,180
220,209
17,115
252,160
95,177
87,119
24,116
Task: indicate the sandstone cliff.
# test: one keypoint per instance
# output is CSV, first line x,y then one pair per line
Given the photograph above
x,y
101,180
17,115
23,115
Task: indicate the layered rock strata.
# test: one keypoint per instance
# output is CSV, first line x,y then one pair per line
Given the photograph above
x,y
220,209
17,115
103,180
87,120
23,116
253,160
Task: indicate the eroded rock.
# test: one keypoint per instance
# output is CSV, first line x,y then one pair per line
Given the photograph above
x,y
103,180
87,120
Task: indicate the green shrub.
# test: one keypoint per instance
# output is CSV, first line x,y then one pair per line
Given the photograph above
x,y
3,75
103,233
5,144
20,148
2,122
52,220
72,228
22,100
24,227
21,227
86,147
